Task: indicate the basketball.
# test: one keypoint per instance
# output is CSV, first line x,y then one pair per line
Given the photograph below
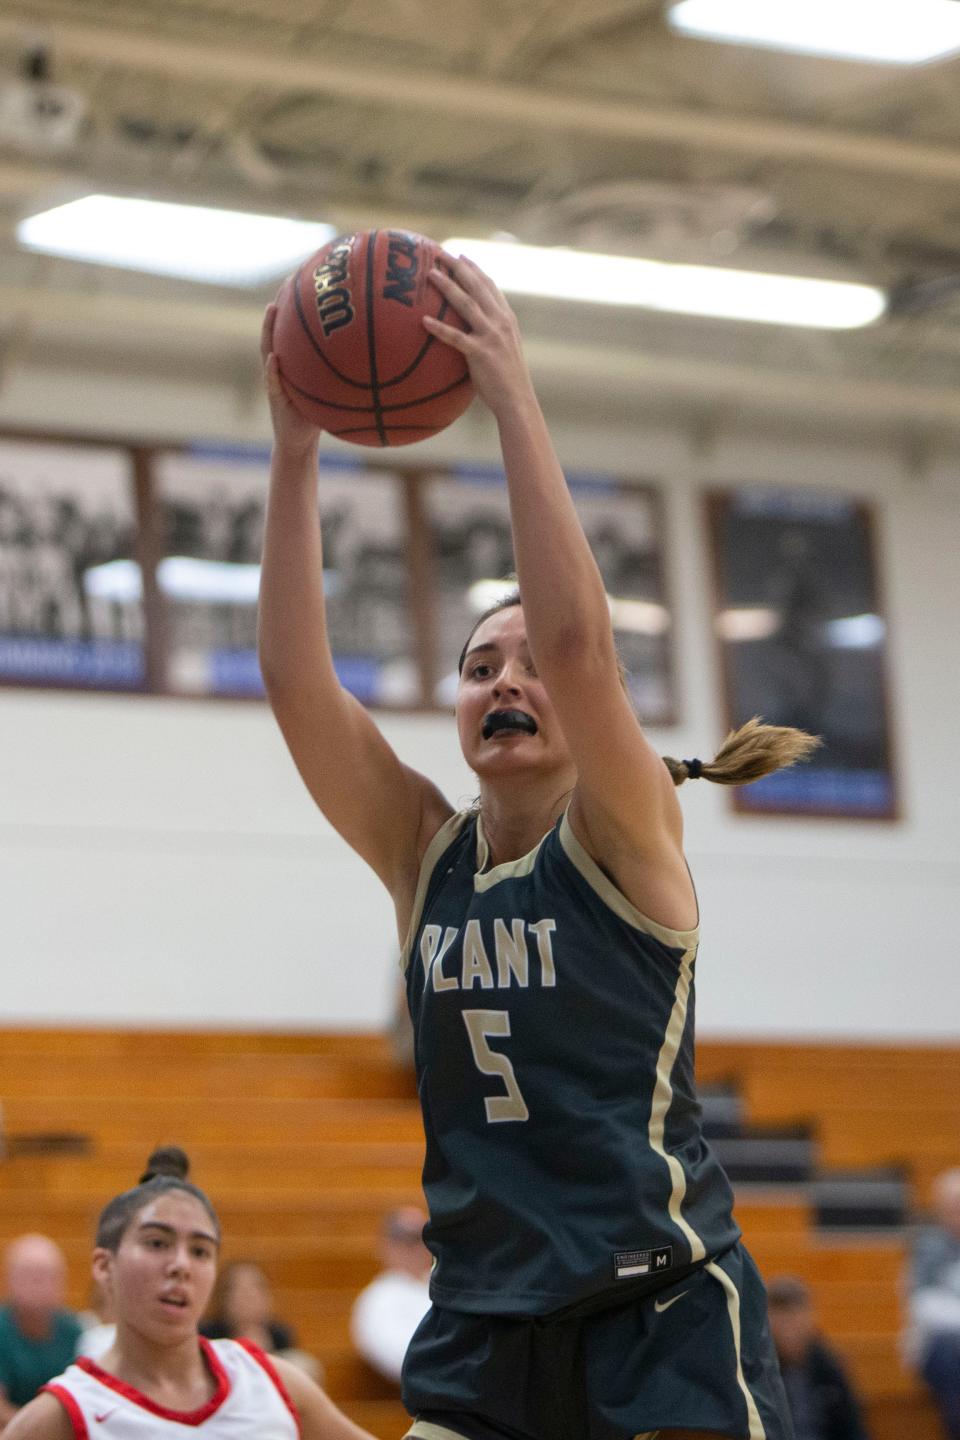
x,y
353,354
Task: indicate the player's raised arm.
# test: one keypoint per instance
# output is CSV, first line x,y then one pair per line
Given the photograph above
x,y
386,811
623,789
623,807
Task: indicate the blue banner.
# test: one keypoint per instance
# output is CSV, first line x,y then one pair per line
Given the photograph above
x,y
469,473
841,792
41,660
259,455
237,672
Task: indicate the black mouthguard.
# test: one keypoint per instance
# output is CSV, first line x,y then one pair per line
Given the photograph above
x,y
508,720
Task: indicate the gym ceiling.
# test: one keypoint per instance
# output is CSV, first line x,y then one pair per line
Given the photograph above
x,y
587,124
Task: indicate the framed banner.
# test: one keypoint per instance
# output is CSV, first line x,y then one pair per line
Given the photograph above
x,y
213,503
71,593
802,639
469,521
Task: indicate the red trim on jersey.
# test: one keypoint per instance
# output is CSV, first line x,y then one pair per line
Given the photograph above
x,y
74,1413
263,1359
182,1417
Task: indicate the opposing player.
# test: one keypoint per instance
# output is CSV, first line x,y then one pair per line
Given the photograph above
x,y
156,1258
588,1279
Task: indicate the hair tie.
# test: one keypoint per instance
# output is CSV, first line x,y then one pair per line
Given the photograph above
x,y
694,769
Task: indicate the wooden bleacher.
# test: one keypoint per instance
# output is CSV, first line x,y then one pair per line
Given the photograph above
x,y
305,1141
871,1105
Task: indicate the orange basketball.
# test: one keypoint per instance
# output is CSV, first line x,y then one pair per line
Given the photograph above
x,y
353,354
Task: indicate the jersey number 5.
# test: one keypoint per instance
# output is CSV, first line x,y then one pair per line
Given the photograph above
x,y
481,1024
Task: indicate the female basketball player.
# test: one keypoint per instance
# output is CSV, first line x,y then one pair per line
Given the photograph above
x,y
588,1280
156,1259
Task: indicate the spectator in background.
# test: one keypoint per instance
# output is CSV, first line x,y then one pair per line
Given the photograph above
x,y
822,1401
242,1309
933,1340
388,1311
99,1329
38,1335
156,1253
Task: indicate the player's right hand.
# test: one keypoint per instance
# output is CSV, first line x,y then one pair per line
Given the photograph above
x,y
294,434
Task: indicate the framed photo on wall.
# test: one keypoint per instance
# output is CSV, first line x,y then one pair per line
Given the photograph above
x,y
71,592
212,502
469,522
802,639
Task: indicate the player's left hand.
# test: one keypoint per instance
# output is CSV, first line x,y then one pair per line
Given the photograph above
x,y
492,347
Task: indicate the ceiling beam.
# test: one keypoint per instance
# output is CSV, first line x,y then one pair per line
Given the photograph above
x,y
477,100
98,321
745,388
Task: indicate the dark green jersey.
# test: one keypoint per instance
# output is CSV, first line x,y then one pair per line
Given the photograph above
x,y
554,1048
25,1363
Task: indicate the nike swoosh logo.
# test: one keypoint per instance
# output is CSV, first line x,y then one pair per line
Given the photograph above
x,y
661,1305
105,1416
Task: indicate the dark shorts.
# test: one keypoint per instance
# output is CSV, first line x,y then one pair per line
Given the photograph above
x,y
694,1355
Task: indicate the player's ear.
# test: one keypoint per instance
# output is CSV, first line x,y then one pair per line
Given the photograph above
x,y
103,1266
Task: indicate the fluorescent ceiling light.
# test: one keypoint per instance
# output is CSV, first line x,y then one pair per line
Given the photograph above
x,y
856,632
117,580
182,577
748,622
642,617
214,582
877,30
221,247
762,622
683,289
484,594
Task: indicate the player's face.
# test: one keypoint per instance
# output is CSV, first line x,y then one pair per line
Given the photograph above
x,y
499,683
161,1276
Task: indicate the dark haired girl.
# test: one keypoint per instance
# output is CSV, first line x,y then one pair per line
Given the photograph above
x,y
156,1256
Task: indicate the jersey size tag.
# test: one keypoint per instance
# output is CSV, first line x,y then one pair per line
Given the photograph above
x,y
627,1263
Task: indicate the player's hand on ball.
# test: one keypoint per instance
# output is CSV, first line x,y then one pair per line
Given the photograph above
x,y
492,347
293,433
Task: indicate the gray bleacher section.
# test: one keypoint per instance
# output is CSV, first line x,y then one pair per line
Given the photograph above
x,y
786,1156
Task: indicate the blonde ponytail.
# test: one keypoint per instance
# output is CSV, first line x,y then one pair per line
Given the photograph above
x,y
747,754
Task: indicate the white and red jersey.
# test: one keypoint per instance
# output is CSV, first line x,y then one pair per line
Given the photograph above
x,y
249,1403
